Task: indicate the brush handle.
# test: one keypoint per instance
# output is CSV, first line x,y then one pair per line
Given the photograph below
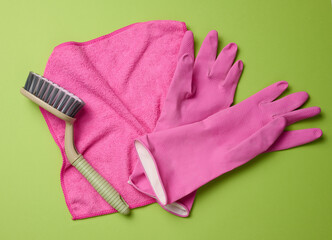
x,y
101,185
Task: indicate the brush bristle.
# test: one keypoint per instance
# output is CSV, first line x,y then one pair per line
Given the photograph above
x,y
53,94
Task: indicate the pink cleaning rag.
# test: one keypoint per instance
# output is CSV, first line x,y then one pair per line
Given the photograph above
x,y
123,78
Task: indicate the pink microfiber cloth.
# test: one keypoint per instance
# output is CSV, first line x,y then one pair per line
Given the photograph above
x,y
123,78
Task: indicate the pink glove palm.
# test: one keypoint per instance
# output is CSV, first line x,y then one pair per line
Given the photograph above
x,y
211,83
178,161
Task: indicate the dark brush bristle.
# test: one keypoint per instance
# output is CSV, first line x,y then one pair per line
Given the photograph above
x,y
53,94
28,82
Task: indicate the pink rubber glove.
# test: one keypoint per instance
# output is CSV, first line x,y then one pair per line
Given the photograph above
x,y
178,161
212,80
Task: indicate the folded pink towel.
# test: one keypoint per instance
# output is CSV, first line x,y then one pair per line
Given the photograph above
x,y
123,78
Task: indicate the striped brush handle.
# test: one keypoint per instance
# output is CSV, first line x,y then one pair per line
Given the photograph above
x,y
101,185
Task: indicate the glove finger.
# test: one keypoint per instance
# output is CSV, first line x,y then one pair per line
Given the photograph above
x,y
182,79
230,84
301,114
208,52
232,79
224,62
288,103
187,45
271,92
257,143
290,139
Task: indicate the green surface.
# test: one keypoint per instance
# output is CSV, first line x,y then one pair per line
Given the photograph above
x,y
284,195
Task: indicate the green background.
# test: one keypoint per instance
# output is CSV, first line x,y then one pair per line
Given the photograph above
x,y
283,195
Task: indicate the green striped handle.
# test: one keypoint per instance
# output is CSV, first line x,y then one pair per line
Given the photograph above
x,y
101,185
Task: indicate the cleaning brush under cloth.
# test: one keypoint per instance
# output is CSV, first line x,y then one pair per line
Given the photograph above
x,y
65,105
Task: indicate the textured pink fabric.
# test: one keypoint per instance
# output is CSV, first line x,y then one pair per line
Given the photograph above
x,y
187,157
213,79
123,78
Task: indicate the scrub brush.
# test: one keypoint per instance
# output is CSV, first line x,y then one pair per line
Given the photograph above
x,y
65,106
